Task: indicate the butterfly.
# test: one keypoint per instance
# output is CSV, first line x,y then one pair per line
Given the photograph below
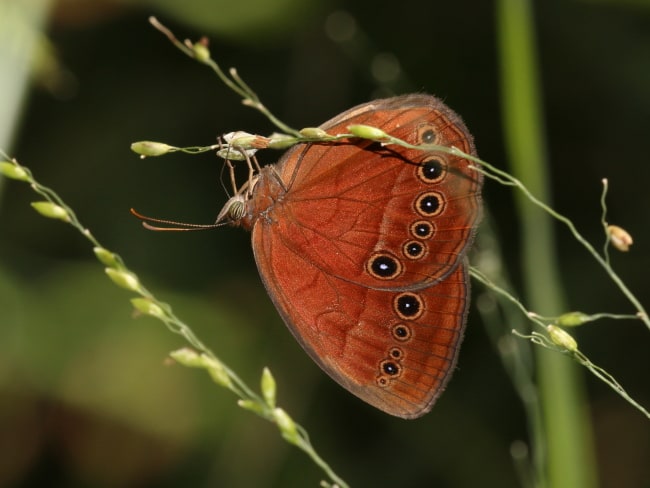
x,y
362,247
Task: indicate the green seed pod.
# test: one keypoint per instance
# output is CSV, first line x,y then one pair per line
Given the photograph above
x,y
562,338
281,141
123,279
201,51
13,171
313,133
51,210
268,387
147,307
251,405
572,319
217,371
286,425
367,132
106,257
151,148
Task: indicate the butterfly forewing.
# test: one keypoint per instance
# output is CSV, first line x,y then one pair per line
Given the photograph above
x,y
360,201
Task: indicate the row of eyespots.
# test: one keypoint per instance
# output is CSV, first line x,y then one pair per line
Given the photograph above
x,y
415,248
391,367
428,204
386,266
431,171
407,306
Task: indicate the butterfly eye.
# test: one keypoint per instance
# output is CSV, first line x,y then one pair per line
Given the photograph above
x,y
429,204
414,249
401,332
396,353
391,368
384,266
408,306
432,171
427,134
421,229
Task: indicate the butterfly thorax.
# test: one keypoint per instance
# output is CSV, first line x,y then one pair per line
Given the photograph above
x,y
256,200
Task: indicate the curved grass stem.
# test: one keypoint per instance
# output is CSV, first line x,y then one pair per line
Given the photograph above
x,y
147,303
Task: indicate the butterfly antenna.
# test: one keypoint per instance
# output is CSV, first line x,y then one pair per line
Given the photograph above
x,y
170,225
231,171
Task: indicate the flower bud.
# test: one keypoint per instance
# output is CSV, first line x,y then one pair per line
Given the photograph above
x,y
313,133
286,425
201,51
214,367
619,238
186,357
281,141
252,406
562,338
106,257
244,140
13,171
124,279
268,387
572,319
217,371
151,148
367,132
147,307
51,210
235,154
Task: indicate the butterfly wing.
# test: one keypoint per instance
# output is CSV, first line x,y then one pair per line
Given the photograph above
x,y
392,354
364,255
383,217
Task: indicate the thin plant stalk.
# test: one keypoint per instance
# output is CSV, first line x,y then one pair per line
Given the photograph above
x,y
146,303
569,458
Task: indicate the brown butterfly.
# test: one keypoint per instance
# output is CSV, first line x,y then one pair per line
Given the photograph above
x,y
363,249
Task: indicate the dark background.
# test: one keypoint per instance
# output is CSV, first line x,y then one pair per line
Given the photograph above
x,y
85,397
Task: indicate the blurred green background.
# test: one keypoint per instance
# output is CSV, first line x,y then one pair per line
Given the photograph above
x,y
86,397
